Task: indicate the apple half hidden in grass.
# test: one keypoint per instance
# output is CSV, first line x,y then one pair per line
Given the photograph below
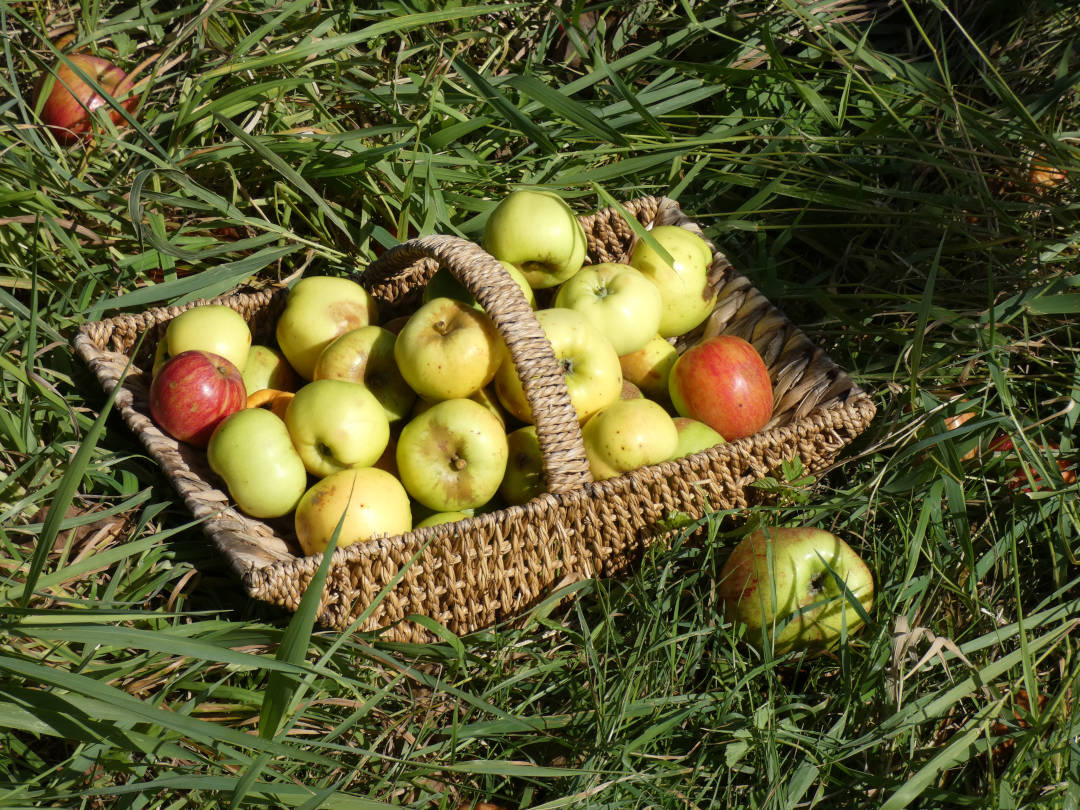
x,y
796,587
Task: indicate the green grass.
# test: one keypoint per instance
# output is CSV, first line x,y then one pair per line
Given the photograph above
x,y
868,171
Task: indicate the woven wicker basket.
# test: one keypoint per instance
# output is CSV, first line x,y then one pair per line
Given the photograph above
x,y
471,574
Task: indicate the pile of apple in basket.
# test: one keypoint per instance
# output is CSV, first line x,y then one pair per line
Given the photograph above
x,y
421,420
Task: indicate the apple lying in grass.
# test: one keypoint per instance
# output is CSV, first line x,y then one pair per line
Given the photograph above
x,y
724,383
371,500
68,101
795,588
193,392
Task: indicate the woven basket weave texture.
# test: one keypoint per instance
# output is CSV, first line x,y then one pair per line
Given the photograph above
x,y
471,574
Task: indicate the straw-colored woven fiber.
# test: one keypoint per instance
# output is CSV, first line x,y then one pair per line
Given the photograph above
x,y
471,574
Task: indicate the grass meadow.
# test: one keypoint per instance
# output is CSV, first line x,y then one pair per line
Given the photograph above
x,y
899,176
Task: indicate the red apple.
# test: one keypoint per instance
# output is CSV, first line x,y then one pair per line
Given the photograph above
x,y
71,100
193,392
724,383
1018,480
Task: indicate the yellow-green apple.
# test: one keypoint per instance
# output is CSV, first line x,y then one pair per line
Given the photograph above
x,y
251,450
438,518
648,368
618,300
684,284
193,392
447,350
210,328
795,587
589,363
694,436
524,476
67,100
724,383
537,232
444,285
318,309
336,424
366,356
628,434
267,368
452,456
630,391
372,502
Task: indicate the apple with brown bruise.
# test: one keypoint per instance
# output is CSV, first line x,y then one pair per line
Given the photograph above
x,y
319,309
452,456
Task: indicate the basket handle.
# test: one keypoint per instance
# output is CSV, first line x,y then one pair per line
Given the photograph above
x,y
566,467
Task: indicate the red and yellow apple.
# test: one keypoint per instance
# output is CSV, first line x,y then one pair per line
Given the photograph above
x,y
193,392
795,588
724,383
68,101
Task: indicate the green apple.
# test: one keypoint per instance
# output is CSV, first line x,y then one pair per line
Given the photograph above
x,y
649,367
784,584
524,476
318,309
694,436
211,328
628,434
366,356
444,285
447,350
268,368
438,518
336,424
618,300
251,450
537,232
684,285
372,502
590,366
452,456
